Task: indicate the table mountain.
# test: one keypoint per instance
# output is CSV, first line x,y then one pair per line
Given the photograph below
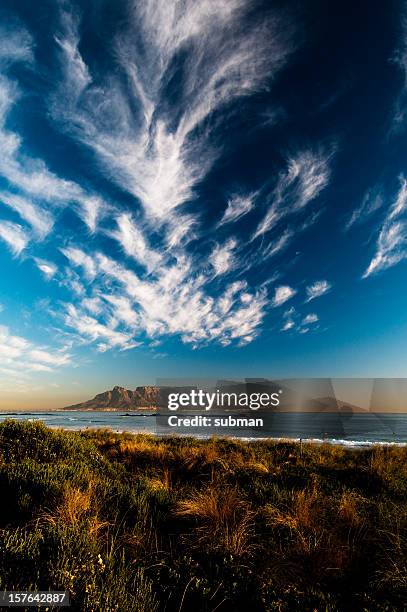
x,y
120,398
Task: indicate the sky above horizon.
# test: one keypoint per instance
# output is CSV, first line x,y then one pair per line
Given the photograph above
x,y
198,188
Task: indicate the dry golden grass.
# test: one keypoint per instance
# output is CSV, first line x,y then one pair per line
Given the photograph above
x,y
77,507
349,510
162,481
302,512
142,450
197,457
225,520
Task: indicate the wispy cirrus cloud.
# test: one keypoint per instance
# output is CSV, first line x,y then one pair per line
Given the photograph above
x,y
283,294
79,258
48,268
317,289
134,243
275,246
287,325
159,154
295,322
171,302
20,357
391,247
310,318
40,220
105,335
16,44
237,207
391,244
15,237
306,175
222,258
160,158
35,193
150,264
372,201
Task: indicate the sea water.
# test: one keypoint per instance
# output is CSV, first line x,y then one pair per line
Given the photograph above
x,y
358,429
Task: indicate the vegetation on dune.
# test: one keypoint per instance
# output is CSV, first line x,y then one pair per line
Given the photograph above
x,y
137,523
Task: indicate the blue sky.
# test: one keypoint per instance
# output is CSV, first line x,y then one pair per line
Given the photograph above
x,y
191,188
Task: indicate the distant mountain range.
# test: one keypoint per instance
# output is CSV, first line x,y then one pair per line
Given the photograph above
x,y
151,397
120,398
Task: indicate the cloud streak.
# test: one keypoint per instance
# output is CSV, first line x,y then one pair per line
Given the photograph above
x,y
305,177
317,289
283,294
20,357
391,244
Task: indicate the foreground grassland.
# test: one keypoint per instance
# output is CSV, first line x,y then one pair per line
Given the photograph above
x,y
137,523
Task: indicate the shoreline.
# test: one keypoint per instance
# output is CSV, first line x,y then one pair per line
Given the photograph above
x,y
334,442
121,422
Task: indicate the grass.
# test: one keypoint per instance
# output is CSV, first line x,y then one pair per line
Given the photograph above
x,y
137,523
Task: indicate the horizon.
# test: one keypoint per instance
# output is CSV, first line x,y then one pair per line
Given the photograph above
x,y
200,191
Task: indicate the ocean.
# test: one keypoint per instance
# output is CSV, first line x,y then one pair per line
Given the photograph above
x,y
356,429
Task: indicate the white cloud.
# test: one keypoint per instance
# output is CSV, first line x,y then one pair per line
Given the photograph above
x,y
48,268
93,305
222,257
237,207
39,219
14,236
76,73
278,245
42,192
310,318
80,258
92,329
174,301
51,359
400,203
391,245
282,294
16,45
317,289
90,209
20,357
123,310
180,231
133,242
371,202
288,325
161,158
306,175
27,174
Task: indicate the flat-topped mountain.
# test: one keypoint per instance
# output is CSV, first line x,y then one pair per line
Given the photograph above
x,y
120,398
